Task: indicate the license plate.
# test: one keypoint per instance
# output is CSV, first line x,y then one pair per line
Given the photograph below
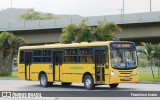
x,y
126,78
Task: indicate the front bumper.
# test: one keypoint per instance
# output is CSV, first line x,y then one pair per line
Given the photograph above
x,y
124,79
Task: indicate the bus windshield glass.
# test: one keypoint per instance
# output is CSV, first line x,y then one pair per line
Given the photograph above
x,y
123,58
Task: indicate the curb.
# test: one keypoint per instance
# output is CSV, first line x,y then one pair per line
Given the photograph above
x,y
148,82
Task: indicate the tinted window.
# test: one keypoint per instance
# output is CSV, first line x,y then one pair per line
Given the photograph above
x,y
21,56
42,56
86,55
71,55
37,53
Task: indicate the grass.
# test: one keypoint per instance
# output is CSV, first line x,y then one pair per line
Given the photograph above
x,y
147,77
14,75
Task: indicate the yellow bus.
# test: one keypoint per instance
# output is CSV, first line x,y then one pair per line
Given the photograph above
x,y
95,63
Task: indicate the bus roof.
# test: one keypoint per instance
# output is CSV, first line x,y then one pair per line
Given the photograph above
x,y
82,44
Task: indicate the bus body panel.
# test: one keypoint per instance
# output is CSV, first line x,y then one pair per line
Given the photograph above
x,y
21,71
37,68
73,72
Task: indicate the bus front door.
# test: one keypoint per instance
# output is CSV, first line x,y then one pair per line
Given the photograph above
x,y
28,62
100,66
57,63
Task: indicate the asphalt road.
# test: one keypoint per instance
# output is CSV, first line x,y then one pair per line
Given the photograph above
x,y
21,85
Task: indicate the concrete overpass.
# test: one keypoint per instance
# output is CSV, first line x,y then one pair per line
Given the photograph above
x,y
136,27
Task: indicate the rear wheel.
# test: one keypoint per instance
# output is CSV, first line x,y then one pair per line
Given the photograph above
x,y
88,82
44,81
66,83
113,85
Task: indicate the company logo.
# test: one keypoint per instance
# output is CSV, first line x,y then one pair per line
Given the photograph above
x,y
21,94
6,94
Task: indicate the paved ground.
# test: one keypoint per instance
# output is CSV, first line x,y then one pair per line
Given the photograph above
x,y
21,85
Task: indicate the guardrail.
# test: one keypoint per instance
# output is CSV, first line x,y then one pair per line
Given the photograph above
x,y
91,21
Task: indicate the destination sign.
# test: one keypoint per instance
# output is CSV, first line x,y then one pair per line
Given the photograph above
x,y
122,45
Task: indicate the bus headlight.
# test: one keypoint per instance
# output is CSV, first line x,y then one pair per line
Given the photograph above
x,y
113,73
136,73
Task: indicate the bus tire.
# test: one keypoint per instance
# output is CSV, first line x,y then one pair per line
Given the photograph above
x,y
44,81
113,85
66,83
88,82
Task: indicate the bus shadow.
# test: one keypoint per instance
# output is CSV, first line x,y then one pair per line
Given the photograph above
x,y
96,88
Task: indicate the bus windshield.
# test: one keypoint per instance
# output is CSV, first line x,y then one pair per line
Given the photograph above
x,y
124,58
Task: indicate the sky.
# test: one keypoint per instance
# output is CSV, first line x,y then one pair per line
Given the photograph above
x,y
83,7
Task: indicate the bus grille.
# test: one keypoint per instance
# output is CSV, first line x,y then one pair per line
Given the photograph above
x,y
125,73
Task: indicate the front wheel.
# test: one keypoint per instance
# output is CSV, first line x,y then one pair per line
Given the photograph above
x,y
88,82
113,85
44,81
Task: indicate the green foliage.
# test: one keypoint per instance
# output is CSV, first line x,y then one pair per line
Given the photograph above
x,y
9,44
149,50
157,51
147,77
13,75
3,73
152,53
105,31
68,34
83,33
142,60
50,16
31,14
142,63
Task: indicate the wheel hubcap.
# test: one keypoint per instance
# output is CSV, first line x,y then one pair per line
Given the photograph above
x,y
88,82
43,80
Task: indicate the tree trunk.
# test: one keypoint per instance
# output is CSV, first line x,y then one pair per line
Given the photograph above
x,y
158,69
1,59
152,71
9,63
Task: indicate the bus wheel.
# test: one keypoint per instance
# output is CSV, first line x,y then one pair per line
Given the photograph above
x,y
44,81
113,85
66,83
88,82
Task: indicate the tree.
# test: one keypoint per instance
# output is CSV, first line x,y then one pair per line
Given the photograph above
x,y
83,33
68,34
31,14
105,31
157,56
50,16
149,52
9,44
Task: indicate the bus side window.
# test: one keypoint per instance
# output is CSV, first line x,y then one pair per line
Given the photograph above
x,y
86,55
83,59
101,57
89,59
21,56
70,55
